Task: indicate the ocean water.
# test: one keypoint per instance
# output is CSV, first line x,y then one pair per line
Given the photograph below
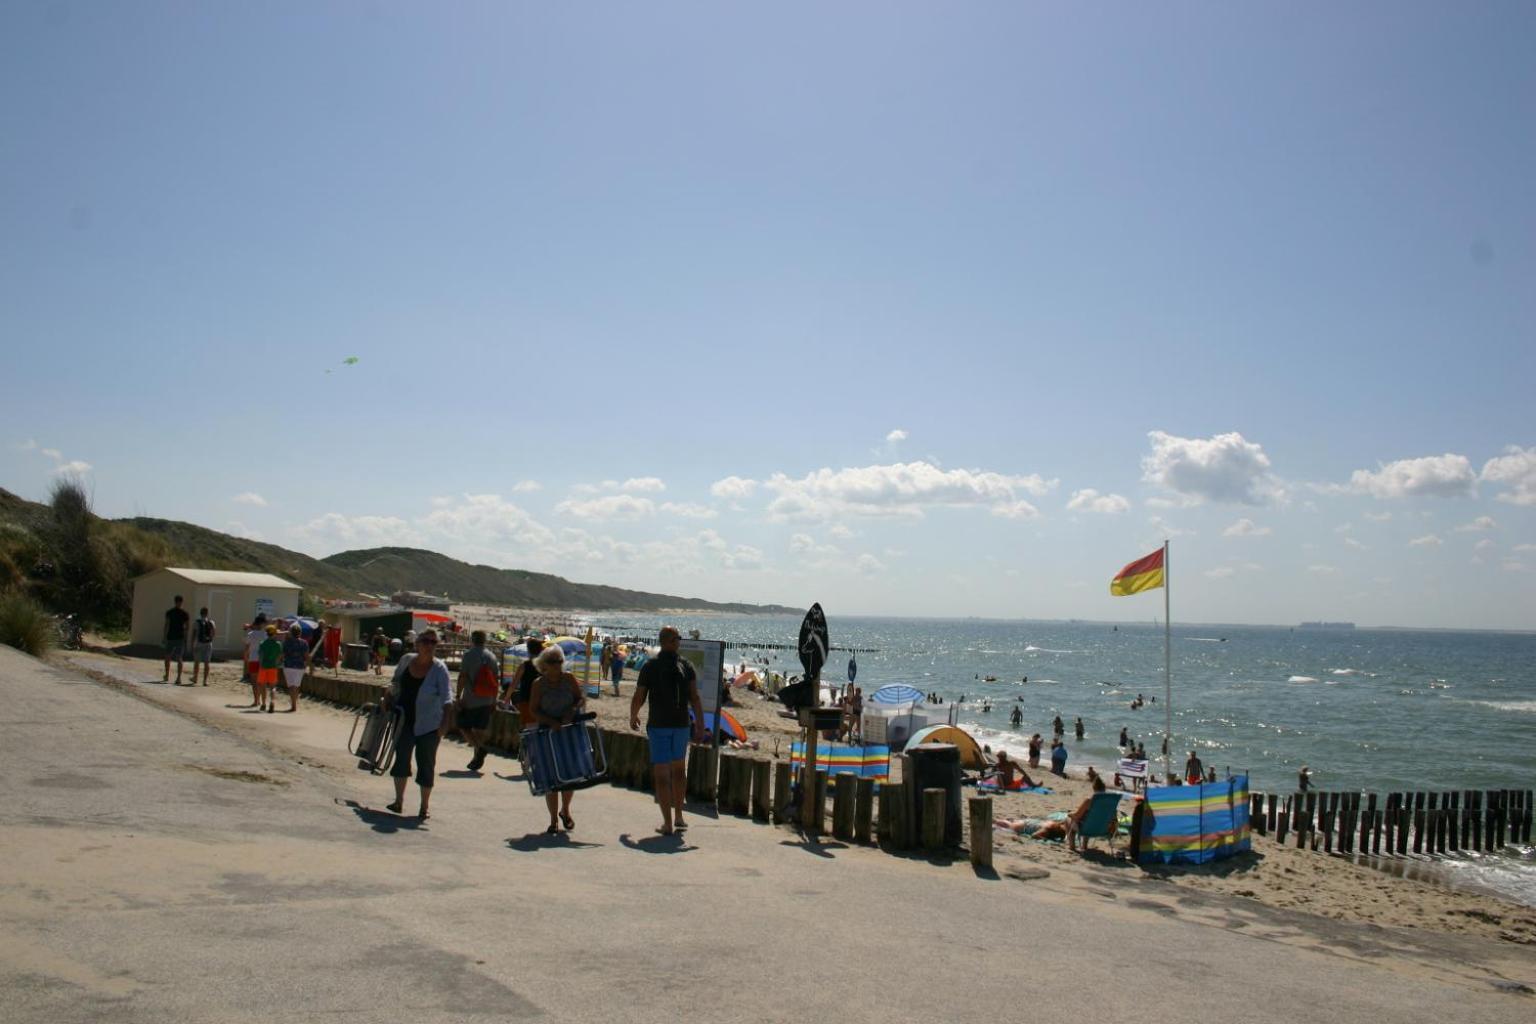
x,y
1371,710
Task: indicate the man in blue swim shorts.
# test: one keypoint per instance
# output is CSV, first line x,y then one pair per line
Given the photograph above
x,y
668,683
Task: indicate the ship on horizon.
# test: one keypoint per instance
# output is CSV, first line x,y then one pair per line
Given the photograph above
x,y
1327,625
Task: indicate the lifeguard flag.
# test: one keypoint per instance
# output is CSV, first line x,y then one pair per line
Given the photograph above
x,y
1142,574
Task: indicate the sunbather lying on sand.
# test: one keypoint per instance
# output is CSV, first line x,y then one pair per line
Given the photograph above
x,y
1053,827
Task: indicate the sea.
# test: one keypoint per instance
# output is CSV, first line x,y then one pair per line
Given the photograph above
x,y
1373,710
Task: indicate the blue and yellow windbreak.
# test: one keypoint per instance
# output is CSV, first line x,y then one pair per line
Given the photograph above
x,y
869,762
1195,824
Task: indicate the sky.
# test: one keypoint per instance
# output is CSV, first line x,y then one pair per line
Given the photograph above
x,y
907,309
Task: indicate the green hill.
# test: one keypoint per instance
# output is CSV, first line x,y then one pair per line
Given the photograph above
x,y
347,574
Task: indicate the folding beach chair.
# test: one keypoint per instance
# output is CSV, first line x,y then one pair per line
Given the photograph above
x,y
1101,822
565,758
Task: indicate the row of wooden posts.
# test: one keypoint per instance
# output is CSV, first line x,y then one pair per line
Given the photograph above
x,y
747,786
1423,823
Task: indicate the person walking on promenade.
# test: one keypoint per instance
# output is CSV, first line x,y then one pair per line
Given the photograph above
x,y
422,690
254,637
556,700
669,686
616,669
176,622
269,657
378,646
317,644
1078,727
521,689
479,679
295,664
204,629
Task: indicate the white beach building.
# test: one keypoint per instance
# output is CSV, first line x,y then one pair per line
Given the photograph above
x,y
232,599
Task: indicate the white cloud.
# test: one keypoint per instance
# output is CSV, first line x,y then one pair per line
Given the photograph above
x,y
896,435
29,445
1477,525
1513,565
333,528
526,487
868,564
1226,469
1429,540
610,506
1352,542
488,521
249,498
688,510
1437,476
840,531
1090,500
1483,545
642,485
1167,529
1378,517
1246,528
1322,570
1516,467
1525,547
53,453
1221,572
238,529
74,468
733,488
903,489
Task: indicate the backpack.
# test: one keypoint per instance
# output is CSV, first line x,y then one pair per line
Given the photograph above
x,y
205,631
486,682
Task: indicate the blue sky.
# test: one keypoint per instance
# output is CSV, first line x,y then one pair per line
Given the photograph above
x,y
846,303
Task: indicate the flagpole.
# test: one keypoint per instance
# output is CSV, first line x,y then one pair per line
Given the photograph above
x,y
1167,674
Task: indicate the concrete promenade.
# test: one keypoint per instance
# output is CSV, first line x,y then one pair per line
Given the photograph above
x,y
169,857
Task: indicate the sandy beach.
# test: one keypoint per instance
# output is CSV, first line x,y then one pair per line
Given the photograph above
x,y
1276,876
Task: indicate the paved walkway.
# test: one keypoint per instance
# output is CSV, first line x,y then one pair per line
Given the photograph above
x,y
168,857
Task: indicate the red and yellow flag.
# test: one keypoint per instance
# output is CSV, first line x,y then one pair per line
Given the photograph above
x,y
1142,574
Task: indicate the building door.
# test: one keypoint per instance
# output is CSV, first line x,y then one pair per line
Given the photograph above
x,y
221,605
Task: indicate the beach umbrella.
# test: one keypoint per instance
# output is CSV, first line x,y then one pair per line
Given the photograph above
x,y
729,728
897,694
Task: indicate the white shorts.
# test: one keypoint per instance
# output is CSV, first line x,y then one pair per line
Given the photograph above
x,y
293,678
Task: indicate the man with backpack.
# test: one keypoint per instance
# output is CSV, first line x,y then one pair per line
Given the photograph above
x,y
479,683
204,629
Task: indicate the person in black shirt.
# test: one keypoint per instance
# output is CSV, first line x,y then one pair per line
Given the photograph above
x,y
670,687
520,692
176,622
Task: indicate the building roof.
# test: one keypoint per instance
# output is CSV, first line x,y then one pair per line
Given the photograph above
x,y
224,578
365,612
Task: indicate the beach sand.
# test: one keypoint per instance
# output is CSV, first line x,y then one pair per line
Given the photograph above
x,y
1279,877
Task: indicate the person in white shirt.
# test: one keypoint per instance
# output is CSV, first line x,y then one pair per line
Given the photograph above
x,y
253,641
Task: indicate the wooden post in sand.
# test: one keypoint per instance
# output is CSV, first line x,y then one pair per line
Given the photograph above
x,y
762,792
1271,812
933,818
781,791
1283,823
818,803
901,816
863,809
842,805
981,831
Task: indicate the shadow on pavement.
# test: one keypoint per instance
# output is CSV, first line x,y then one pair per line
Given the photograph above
x,y
535,841
813,846
658,843
384,822
509,778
